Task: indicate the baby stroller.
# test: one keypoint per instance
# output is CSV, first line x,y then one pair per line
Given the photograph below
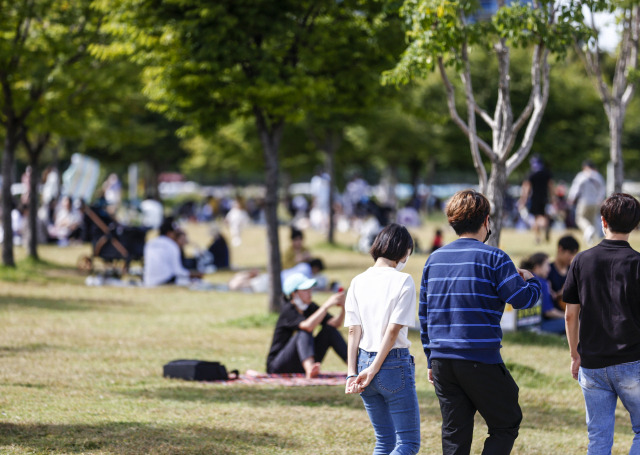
x,y
116,245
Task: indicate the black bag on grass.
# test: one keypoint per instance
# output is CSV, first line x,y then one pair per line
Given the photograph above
x,y
197,370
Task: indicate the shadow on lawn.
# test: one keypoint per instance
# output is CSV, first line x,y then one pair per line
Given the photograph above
x,y
66,304
259,396
526,338
552,418
31,347
256,396
133,438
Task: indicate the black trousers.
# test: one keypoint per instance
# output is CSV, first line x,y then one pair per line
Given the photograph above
x,y
303,345
464,387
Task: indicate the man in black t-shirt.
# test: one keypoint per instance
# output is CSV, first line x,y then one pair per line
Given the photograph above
x,y
535,193
294,349
602,293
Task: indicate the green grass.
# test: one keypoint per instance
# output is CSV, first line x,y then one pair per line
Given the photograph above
x,y
81,368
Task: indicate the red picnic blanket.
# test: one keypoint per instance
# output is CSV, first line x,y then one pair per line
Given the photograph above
x,y
288,379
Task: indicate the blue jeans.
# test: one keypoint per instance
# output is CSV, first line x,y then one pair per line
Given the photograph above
x,y
601,388
392,403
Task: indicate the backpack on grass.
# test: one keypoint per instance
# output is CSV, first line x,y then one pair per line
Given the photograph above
x,y
197,370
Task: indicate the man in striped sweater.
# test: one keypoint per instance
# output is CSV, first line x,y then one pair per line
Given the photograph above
x,y
464,288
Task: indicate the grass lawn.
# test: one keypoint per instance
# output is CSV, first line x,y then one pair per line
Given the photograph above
x,y
81,368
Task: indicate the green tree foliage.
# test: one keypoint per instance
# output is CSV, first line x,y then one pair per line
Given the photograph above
x,y
230,155
44,67
206,62
443,35
616,87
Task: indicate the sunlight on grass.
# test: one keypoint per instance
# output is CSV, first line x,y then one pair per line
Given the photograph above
x,y
81,367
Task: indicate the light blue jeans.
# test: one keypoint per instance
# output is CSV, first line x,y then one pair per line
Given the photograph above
x,y
392,403
601,388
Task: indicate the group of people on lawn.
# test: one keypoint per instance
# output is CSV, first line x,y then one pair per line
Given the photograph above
x,y
463,291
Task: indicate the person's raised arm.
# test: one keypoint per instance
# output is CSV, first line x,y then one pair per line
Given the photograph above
x,y
388,340
316,318
572,326
338,320
517,287
355,333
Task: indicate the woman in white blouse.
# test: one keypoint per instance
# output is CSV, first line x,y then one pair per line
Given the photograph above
x,y
380,306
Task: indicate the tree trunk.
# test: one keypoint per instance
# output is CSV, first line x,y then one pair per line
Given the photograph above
x,y
34,152
616,119
33,208
496,190
151,180
334,138
390,181
10,142
270,136
415,167
330,156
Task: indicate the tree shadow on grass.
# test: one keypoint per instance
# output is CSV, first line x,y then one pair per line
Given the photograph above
x,y
552,418
66,304
526,376
526,338
267,396
26,348
255,396
133,438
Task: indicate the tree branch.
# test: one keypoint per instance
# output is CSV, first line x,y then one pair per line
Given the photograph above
x,y
451,103
593,64
540,102
22,32
632,63
503,134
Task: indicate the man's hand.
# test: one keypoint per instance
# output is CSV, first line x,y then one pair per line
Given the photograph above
x,y
430,375
525,274
336,299
575,366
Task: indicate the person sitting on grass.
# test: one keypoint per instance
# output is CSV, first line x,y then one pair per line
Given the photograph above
x,y
294,349
297,251
552,317
162,262
568,247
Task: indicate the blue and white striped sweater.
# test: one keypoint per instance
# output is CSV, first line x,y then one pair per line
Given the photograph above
x,y
464,288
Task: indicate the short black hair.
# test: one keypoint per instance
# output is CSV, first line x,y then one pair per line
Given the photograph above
x,y
296,233
392,243
535,260
569,243
317,263
621,211
168,225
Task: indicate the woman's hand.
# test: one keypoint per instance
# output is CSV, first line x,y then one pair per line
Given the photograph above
x,y
365,377
351,385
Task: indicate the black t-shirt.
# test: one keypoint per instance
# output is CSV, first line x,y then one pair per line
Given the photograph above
x,y
540,185
605,281
287,325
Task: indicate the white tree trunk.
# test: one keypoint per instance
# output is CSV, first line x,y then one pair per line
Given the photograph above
x,y
616,121
496,190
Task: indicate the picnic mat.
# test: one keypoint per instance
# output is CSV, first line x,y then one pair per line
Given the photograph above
x,y
289,379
